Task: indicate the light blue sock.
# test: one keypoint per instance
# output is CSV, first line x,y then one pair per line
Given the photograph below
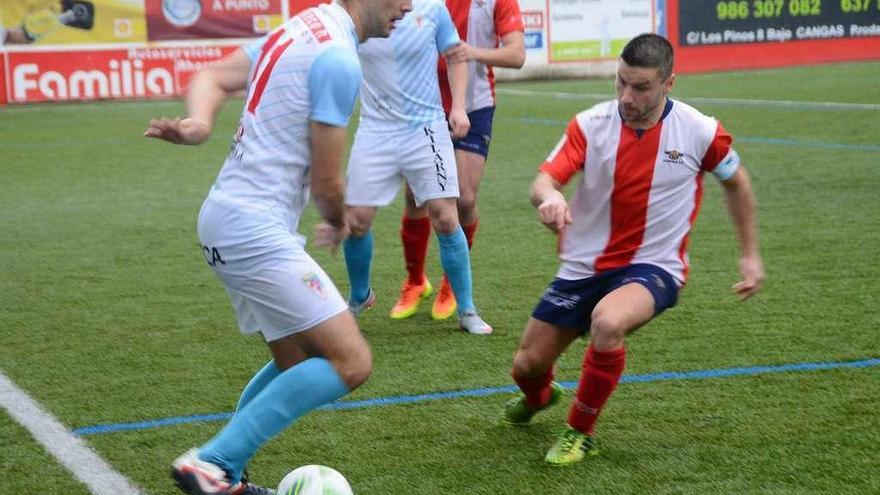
x,y
257,383
293,393
456,261
358,255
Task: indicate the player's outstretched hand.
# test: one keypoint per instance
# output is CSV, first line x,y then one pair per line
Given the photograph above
x,y
751,268
178,131
554,213
459,123
330,236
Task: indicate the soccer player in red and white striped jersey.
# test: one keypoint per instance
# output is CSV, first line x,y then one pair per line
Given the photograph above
x,y
492,35
640,162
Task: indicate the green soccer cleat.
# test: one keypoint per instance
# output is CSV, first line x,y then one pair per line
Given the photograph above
x,y
516,412
571,447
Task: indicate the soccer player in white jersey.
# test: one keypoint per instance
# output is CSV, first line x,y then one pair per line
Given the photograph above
x,y
290,141
403,133
492,36
624,236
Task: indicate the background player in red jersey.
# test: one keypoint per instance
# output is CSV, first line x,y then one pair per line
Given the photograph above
x,y
481,25
624,236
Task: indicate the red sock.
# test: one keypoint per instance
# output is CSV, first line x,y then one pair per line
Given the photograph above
x,y
599,377
537,389
469,231
415,234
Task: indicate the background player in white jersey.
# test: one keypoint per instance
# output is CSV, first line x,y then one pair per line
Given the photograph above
x,y
403,134
492,34
290,141
624,237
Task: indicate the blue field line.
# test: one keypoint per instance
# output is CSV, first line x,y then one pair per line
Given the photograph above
x,y
746,139
482,392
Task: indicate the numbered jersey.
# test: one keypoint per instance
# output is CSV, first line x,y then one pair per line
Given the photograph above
x,y
480,23
306,70
400,90
639,191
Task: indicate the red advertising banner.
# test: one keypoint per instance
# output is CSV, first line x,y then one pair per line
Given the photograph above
x,y
296,6
153,72
733,35
3,98
211,19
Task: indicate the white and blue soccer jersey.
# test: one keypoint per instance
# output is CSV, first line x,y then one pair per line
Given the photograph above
x,y
306,70
400,89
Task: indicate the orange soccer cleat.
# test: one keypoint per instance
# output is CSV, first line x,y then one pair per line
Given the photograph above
x,y
445,304
411,296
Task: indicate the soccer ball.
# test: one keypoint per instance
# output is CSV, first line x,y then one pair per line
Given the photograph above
x,y
314,480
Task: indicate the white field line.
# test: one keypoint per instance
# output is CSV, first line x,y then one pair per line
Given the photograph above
x,y
803,105
68,449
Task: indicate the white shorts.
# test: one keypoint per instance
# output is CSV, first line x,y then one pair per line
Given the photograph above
x,y
424,157
275,286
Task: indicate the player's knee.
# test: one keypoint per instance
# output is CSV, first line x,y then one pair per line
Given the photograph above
x,y
445,221
467,202
356,367
358,226
607,330
528,364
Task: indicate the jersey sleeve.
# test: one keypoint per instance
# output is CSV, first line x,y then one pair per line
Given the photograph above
x,y
720,158
507,17
569,155
253,49
334,81
447,35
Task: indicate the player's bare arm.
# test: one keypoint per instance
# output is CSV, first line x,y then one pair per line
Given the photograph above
x,y
741,205
208,90
327,184
457,72
547,198
511,53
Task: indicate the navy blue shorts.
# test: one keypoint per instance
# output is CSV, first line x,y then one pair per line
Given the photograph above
x,y
480,135
570,303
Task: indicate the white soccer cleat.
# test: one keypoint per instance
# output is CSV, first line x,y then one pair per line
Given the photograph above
x,y
197,477
471,323
359,308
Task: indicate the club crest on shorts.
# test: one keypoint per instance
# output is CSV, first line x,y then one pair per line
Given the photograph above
x,y
314,283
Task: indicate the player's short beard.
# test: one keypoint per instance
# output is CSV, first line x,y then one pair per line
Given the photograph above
x,y
376,27
642,116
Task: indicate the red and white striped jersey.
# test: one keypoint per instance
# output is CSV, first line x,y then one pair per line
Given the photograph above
x,y
480,23
640,192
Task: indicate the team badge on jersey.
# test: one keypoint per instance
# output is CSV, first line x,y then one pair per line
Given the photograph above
x,y
314,283
673,156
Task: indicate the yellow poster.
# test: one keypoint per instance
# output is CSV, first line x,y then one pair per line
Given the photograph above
x,y
66,22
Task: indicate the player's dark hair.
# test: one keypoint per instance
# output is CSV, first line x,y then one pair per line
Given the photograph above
x,y
650,51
